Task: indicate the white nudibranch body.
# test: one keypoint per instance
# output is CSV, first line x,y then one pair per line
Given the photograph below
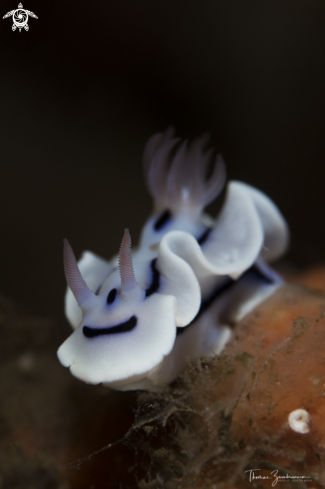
x,y
141,318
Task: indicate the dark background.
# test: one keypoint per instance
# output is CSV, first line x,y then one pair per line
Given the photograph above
x,y
83,90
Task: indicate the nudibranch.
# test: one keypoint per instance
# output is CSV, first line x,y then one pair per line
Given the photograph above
x,y
140,318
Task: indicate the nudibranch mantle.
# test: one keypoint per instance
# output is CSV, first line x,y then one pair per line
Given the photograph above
x,y
141,317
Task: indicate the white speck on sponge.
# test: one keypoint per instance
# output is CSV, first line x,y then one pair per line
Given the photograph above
x,y
299,421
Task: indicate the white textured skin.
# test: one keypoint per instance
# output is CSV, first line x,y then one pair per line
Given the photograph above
x,y
237,237
151,355
299,421
276,232
123,356
94,270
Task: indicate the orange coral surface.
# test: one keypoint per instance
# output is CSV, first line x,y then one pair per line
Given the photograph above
x,y
223,420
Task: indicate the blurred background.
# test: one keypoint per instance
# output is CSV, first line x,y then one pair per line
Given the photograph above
x,y
83,90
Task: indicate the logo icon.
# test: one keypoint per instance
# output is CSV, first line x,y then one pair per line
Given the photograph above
x,y
20,18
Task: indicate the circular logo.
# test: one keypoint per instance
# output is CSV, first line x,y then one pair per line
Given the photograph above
x,y
20,18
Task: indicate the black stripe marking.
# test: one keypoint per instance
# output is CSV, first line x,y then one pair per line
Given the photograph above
x,y
120,328
255,270
155,281
204,236
111,296
220,289
162,220
205,304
